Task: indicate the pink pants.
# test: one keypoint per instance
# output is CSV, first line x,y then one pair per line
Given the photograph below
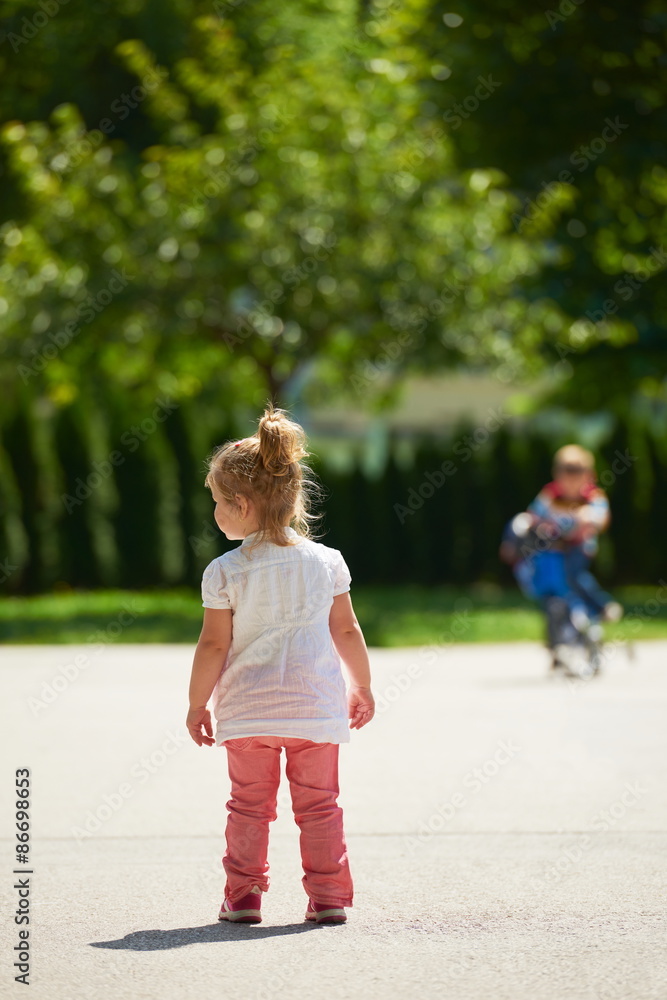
x,y
312,772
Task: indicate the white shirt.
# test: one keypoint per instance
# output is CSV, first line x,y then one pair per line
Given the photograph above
x,y
282,675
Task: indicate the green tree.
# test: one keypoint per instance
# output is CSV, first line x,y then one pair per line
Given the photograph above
x,y
295,214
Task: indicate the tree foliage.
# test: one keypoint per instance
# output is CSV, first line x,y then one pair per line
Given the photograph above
x,y
288,195
207,203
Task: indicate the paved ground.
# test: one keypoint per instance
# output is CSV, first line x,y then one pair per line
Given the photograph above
x,y
507,835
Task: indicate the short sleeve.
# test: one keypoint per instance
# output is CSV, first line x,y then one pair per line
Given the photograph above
x,y
342,577
214,587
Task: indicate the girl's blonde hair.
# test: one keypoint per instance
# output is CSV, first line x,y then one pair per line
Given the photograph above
x,y
267,468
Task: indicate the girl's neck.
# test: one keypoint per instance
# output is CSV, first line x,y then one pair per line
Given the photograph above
x,y
257,527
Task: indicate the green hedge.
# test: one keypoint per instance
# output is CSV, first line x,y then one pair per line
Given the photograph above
x,y
147,520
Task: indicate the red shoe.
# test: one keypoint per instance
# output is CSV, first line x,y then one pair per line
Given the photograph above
x,y
246,910
325,914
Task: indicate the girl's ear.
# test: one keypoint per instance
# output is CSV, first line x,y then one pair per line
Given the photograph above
x,y
242,503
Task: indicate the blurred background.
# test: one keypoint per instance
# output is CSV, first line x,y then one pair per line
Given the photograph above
x,y
435,233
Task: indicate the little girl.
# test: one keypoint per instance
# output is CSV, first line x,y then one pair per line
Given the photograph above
x,y
278,622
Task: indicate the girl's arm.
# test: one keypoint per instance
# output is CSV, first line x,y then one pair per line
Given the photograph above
x,y
351,647
210,655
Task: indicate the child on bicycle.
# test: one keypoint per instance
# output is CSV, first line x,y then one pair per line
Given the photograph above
x,y
578,510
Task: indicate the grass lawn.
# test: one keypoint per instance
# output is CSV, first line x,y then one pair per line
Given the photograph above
x,y
389,616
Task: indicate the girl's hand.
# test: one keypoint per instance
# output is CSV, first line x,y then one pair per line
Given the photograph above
x,y
198,719
361,706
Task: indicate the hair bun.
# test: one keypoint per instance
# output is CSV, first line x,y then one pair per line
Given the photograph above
x,y
281,441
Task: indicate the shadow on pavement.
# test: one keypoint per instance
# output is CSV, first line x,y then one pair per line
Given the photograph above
x,y
179,937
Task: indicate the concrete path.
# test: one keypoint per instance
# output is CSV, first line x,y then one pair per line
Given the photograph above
x,y
507,834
